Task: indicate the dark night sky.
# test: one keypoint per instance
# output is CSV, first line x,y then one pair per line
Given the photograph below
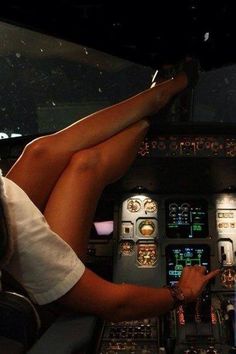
x,y
148,32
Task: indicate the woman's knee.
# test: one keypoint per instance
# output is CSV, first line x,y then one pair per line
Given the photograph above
x,y
39,148
85,161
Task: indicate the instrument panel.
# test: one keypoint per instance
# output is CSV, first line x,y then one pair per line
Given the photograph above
x,y
189,145
139,231
157,236
162,233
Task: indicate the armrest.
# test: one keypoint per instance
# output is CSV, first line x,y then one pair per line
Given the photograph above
x,y
68,334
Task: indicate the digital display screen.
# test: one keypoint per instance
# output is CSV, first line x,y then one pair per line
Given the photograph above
x,y
180,256
186,219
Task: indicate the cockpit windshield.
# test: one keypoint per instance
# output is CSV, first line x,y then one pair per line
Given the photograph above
x,y
47,83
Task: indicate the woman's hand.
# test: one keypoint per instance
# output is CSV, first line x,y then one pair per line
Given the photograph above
x,y
193,280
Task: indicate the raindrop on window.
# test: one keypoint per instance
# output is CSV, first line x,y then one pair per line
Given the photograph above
x,y
206,36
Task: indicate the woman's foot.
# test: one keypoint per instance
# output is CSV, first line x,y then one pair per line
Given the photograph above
x,y
190,66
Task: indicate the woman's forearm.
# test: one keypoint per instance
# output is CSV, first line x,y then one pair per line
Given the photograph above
x,y
116,302
119,302
138,302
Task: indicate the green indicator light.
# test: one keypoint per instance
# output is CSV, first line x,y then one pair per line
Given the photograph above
x,y
197,227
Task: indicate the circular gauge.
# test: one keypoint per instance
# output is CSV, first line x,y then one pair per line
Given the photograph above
x,y
147,255
191,351
228,278
185,207
150,206
126,247
173,208
147,228
133,205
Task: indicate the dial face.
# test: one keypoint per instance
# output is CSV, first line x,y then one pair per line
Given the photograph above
x,y
173,208
228,278
150,206
133,205
147,255
185,209
126,247
147,228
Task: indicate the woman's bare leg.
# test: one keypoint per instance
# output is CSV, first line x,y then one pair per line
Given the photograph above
x,y
43,160
72,203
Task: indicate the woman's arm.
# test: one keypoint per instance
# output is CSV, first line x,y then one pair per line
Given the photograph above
x,y
119,302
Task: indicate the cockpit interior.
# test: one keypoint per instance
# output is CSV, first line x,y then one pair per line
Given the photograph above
x,y
176,205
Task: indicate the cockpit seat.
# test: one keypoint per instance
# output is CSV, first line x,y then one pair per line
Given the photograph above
x,y
19,323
